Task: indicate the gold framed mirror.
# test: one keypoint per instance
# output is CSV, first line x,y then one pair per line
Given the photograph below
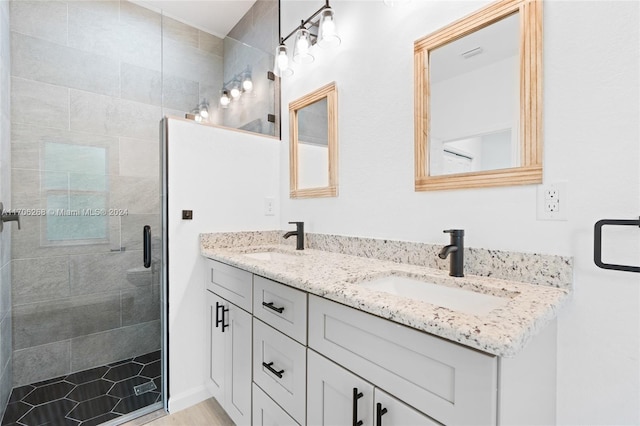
x,y
313,144
478,100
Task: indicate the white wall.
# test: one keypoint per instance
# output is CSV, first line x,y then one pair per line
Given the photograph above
x,y
591,134
223,176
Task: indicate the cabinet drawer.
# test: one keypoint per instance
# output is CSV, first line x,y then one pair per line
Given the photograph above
x,y
453,384
286,358
231,283
268,413
282,307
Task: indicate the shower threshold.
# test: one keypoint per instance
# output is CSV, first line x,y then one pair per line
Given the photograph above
x,y
89,397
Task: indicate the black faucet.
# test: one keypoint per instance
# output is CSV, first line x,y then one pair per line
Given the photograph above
x,y
299,233
456,250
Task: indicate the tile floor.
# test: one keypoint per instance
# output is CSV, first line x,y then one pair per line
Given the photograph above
x,y
86,398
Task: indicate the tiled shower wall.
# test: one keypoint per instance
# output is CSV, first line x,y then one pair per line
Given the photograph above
x,y
258,28
92,79
5,198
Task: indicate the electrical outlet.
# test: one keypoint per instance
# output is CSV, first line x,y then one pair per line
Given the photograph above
x,y
552,201
269,206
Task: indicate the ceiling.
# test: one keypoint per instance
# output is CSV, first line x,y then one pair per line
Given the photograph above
x,y
498,41
216,17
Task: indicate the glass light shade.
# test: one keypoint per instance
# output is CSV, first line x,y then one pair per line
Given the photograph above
x,y
204,110
235,91
301,53
225,99
281,63
247,84
328,35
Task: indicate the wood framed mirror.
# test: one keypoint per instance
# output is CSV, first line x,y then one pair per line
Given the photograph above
x,y
478,100
313,144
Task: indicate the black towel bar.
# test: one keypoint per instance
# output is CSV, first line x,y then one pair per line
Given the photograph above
x,y
597,244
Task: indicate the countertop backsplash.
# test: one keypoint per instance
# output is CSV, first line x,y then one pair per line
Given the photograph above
x,y
533,268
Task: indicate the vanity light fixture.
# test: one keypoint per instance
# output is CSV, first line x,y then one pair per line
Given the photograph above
x,y
234,88
321,31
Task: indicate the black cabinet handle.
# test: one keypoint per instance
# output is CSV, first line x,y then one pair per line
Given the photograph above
x,y
379,413
220,319
356,396
273,308
269,367
146,246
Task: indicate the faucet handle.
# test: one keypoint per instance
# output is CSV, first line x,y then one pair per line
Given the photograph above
x,y
298,224
454,232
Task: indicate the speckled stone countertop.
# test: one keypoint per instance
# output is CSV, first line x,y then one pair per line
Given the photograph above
x,y
503,331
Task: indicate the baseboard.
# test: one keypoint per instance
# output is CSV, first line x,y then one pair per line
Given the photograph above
x,y
188,398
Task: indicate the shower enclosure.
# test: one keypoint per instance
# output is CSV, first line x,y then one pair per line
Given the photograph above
x,y
82,338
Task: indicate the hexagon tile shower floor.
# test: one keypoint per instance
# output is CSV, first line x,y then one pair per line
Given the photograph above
x,y
88,397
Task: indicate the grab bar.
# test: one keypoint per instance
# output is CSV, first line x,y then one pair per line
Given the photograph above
x,y
597,244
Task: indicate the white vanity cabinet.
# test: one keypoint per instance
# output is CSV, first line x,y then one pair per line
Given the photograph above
x,y
448,382
280,356
229,332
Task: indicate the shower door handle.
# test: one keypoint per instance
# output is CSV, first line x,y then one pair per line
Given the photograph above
x,y
146,246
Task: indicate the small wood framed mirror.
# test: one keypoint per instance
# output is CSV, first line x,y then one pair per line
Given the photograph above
x,y
313,146
478,100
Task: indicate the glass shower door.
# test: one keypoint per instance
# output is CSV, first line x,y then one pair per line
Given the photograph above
x,y
87,332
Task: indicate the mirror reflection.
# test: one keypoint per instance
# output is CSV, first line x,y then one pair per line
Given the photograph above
x,y
313,148
475,101
313,145
478,99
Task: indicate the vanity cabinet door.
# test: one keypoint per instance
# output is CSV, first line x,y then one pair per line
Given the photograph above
x,y
238,366
268,413
331,399
389,411
215,348
229,354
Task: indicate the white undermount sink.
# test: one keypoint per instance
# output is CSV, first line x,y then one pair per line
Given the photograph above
x,y
453,298
270,256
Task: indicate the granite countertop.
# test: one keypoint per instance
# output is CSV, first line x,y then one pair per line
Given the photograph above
x,y
503,331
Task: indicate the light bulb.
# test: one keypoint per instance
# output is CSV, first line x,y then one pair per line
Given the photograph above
x,y
235,92
224,99
301,53
247,84
204,110
327,35
281,62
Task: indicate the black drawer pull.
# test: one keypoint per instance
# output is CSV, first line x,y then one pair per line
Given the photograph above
x,y
356,396
273,308
219,320
273,370
379,413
